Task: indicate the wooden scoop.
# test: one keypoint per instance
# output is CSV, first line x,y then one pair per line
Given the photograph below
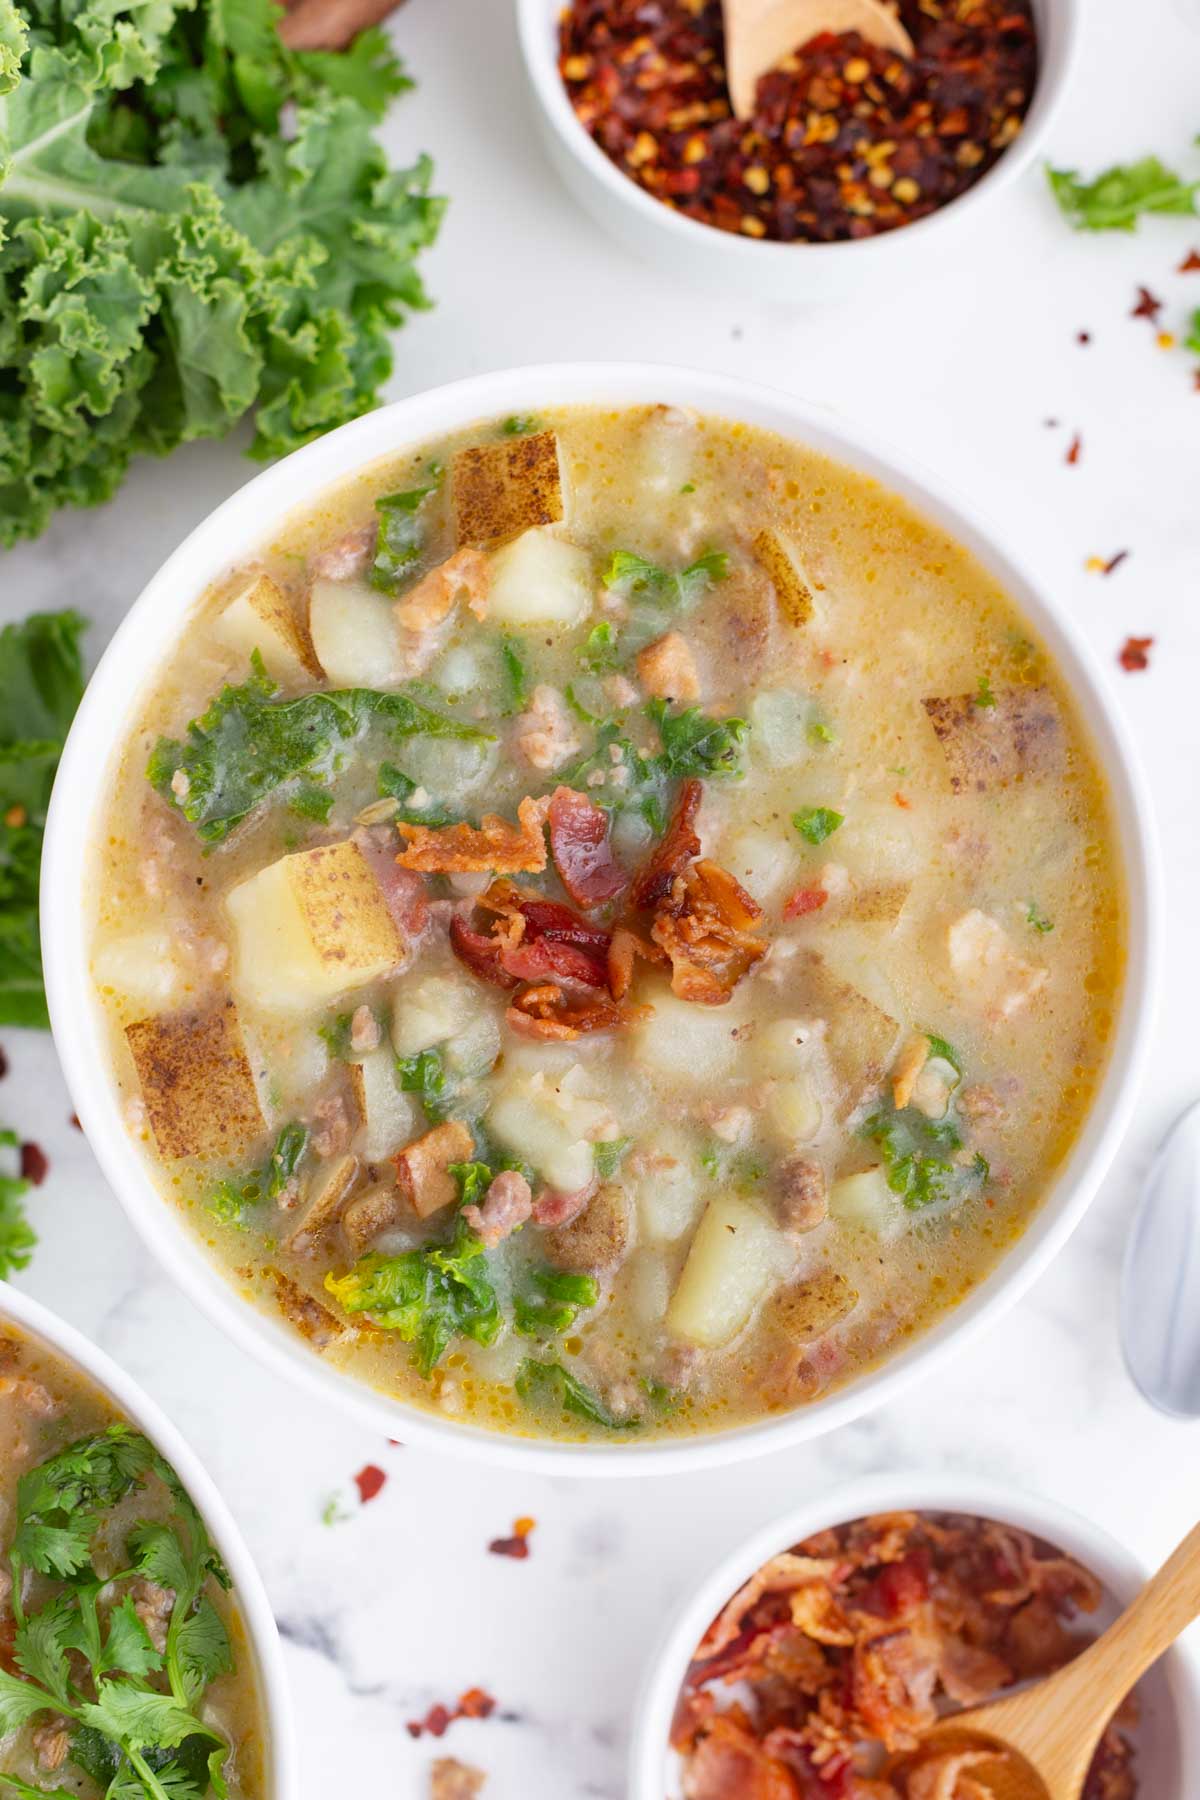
x,y
1054,1726
760,33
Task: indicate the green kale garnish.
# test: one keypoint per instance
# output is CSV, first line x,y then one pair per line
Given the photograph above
x,y
599,652
609,1153
401,536
394,784
917,1152
310,802
820,733
519,425
816,823
230,1199
1115,199
628,573
983,693
516,676
85,1656
425,1074
694,743
551,1302
548,1384
1037,918
428,1296
247,746
17,1236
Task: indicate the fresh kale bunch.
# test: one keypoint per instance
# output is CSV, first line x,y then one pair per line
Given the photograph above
x,y
194,223
85,1656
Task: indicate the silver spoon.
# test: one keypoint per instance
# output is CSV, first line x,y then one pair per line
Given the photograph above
x,y
1160,1292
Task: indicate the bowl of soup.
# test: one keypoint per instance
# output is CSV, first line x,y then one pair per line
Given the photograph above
x,y
118,1549
596,920
817,1656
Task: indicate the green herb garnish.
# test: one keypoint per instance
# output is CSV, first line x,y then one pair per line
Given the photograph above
x,y
816,823
230,1199
609,1154
519,425
599,652
247,746
694,743
820,733
1115,199
631,574
394,784
917,1153
17,1236
551,1302
548,1384
983,693
400,536
428,1296
516,676
424,1074
1037,918
133,1712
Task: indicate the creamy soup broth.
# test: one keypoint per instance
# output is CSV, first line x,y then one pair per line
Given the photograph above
x,y
779,1097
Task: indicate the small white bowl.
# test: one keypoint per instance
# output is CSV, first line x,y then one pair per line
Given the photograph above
x,y
282,1766
760,269
1168,1735
153,628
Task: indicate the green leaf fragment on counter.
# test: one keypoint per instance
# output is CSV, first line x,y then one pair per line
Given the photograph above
x,y
17,1236
1115,199
548,1386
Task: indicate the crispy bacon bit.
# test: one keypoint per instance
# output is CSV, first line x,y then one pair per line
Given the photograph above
x,y
626,947
369,1481
496,845
1148,306
450,1779
804,900
480,953
704,927
667,668
857,1640
582,851
476,1703
430,601
35,1165
680,844
1135,654
532,939
516,1546
1074,450
423,1167
506,1205
545,1011
1190,264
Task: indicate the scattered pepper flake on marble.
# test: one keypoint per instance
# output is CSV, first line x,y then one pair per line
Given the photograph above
x,y
1083,337
73,1121
1148,306
1135,654
1190,264
475,1703
35,1164
450,1779
1074,450
1099,565
369,1481
516,1546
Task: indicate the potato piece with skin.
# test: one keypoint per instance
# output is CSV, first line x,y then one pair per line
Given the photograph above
x,y
354,634
309,927
597,1240
540,580
389,1117
860,1037
260,618
1016,734
368,1215
806,1309
505,488
793,585
196,1083
736,1256
333,1185
314,1322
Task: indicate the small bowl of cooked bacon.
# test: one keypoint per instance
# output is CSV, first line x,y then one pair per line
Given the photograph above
x,y
813,1662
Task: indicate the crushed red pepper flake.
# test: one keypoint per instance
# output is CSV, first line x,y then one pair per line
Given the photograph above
x,y
847,139
1099,565
369,1481
1190,264
476,1703
1135,654
1083,337
516,1546
35,1164
1074,450
73,1121
1148,305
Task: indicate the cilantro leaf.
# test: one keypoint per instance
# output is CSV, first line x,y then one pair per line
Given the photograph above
x,y
20,1701
816,823
41,1647
548,1385
137,1717
694,743
1115,199
202,1649
127,1647
400,538
247,746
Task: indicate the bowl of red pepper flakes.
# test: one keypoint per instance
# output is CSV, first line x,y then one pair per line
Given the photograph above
x,y
854,159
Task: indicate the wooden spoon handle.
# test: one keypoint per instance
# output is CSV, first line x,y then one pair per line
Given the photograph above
x,y
1166,1606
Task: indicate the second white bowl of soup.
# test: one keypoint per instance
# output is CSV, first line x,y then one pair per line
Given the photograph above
x,y
596,921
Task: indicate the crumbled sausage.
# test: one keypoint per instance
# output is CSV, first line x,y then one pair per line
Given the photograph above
x,y
595,1241
506,1205
980,1102
667,668
801,1198
546,736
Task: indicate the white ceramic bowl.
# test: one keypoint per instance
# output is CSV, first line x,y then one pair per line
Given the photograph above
x,y
1168,1736
283,1780
759,269
151,630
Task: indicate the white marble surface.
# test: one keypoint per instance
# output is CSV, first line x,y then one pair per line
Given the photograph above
x,y
401,1605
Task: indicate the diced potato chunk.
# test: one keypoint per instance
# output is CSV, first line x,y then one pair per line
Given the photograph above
x,y
762,861
780,720
143,966
687,1041
808,1308
354,634
736,1255
794,1109
389,1116
987,969
784,1047
504,488
860,1037
793,586
259,618
540,580
669,1191
435,1009
549,1130
867,1200
309,927
196,1082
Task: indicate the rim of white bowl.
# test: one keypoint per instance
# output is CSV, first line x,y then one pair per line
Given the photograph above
x,y
1059,24
29,1315
238,528
1119,1571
